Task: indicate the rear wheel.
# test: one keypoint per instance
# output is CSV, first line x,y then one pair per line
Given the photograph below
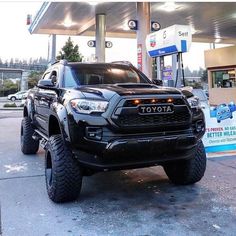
x,y
63,173
188,171
13,99
28,144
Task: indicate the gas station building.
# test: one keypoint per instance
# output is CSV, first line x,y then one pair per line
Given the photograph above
x,y
221,67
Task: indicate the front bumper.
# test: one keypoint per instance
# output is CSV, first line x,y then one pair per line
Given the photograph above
x,y
99,143
137,152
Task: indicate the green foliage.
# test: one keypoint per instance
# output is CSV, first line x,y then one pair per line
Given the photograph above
x,y
9,105
8,87
204,76
33,78
70,52
39,64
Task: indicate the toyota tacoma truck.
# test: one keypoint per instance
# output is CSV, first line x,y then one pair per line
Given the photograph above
x,y
92,117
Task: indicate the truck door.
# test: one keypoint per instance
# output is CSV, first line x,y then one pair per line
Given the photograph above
x,y
43,100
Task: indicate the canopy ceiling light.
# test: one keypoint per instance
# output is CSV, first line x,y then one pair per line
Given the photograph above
x,y
194,31
125,26
218,40
169,7
93,3
68,22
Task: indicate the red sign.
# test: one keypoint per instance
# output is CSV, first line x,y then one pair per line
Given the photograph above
x,y
139,56
29,19
153,41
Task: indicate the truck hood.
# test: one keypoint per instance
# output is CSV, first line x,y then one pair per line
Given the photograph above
x,y
108,91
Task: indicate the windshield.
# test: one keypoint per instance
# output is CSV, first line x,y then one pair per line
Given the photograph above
x,y
104,74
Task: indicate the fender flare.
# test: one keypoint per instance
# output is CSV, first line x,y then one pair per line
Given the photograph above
x,y
59,112
30,108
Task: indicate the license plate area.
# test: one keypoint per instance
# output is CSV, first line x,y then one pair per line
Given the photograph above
x,y
156,109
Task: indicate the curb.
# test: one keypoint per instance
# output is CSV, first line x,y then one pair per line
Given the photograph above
x,y
11,109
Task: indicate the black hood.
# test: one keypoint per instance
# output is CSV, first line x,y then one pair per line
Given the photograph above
x,y
108,91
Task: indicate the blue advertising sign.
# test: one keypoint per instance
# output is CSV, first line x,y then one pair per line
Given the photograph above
x,y
220,133
167,73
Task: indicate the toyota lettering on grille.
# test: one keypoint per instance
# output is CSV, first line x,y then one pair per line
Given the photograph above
x,y
156,109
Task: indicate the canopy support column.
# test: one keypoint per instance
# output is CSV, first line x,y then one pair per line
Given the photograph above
x,y
143,17
100,37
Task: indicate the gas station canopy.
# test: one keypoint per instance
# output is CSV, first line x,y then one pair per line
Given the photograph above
x,y
210,22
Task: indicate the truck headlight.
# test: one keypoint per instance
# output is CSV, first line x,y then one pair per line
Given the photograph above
x,y
85,106
194,102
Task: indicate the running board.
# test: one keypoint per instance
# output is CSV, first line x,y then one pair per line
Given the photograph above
x,y
38,135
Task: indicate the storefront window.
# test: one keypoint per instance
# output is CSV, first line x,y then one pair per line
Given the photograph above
x,y
223,79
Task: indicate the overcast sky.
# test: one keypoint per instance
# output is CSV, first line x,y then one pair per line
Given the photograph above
x,y
17,42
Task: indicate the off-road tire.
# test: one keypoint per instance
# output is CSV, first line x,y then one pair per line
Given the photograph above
x,y
28,144
188,171
62,172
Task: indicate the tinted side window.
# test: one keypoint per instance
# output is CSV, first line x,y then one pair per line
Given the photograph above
x,y
46,76
54,77
69,81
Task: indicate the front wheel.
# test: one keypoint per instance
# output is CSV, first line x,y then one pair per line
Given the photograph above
x,y
13,99
188,171
63,173
28,144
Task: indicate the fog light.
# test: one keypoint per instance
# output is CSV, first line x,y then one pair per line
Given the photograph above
x,y
93,133
199,126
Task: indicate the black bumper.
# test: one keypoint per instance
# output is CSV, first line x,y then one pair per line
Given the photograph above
x,y
137,152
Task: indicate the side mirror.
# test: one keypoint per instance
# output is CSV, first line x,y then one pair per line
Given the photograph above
x,y
45,84
157,82
187,93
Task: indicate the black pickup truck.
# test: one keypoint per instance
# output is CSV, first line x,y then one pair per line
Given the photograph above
x,y
92,117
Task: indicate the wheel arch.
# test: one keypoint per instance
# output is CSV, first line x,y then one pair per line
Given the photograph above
x,y
25,112
29,109
53,126
57,124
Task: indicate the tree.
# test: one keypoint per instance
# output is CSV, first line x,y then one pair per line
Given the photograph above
x,y
204,76
33,78
70,52
187,72
11,62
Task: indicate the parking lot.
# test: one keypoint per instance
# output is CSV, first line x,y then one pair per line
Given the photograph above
x,y
135,202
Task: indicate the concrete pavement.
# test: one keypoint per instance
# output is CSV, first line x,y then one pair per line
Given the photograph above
x,y
136,202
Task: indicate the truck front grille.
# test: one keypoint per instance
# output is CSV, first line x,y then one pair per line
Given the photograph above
x,y
127,116
130,102
152,120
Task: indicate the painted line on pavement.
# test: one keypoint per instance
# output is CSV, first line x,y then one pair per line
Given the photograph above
x,y
22,177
